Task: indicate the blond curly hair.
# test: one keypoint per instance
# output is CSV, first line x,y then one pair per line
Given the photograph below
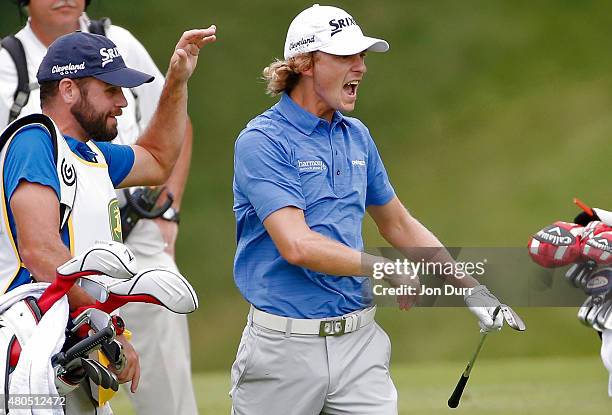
x,y
282,76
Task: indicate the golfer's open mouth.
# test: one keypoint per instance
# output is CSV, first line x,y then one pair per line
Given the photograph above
x,y
351,88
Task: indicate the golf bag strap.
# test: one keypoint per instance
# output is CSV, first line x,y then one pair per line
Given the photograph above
x,y
14,47
62,155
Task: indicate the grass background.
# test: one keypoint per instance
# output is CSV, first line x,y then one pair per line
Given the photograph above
x,y
526,386
489,115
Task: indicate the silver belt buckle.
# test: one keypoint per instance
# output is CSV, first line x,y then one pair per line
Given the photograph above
x,y
332,327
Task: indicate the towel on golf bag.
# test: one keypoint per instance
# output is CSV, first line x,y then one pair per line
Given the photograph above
x,y
33,374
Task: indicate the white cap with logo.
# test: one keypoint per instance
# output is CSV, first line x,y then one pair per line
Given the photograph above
x,y
330,30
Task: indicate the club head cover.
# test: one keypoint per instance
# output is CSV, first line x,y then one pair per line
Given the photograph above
x,y
556,245
105,257
604,216
598,246
158,286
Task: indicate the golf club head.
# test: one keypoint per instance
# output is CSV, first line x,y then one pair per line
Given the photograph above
x,y
158,286
99,320
68,378
604,317
100,375
96,289
80,319
573,272
94,318
597,303
105,257
512,319
114,353
584,309
584,278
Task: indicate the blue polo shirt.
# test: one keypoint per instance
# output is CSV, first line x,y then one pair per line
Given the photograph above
x,y
332,171
30,158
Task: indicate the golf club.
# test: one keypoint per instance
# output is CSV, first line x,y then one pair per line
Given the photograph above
x,y
513,321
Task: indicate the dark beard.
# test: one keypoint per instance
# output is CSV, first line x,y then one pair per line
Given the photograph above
x,y
92,122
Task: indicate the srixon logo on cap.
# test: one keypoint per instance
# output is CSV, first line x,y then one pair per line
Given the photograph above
x,y
338,24
108,55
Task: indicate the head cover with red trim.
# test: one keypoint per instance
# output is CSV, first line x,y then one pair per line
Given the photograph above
x,y
556,245
596,243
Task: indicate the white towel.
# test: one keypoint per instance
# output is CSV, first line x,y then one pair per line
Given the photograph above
x,y
34,374
606,355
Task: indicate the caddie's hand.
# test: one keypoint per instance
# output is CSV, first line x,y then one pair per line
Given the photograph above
x,y
169,231
482,303
410,285
185,57
131,371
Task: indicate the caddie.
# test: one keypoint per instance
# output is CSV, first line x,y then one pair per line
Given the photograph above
x,y
304,175
166,384
59,170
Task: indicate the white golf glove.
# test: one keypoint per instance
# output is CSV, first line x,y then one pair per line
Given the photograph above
x,y
482,303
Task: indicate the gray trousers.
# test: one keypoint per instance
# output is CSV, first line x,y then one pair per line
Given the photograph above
x,y
275,374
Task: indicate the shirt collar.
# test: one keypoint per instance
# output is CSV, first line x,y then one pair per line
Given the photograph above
x,y
32,40
83,150
303,120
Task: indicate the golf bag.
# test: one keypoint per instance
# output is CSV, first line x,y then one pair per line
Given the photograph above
x,y
45,350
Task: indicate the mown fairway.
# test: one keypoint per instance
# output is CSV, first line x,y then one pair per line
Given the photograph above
x,y
535,386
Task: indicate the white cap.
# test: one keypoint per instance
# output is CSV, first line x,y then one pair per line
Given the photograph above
x,y
330,30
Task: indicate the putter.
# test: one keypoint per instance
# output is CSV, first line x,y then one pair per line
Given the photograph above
x,y
513,321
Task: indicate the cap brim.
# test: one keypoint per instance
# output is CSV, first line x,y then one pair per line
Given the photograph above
x,y
351,47
125,78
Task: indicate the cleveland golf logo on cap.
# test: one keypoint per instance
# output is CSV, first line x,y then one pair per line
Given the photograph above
x,y
108,55
70,68
339,24
302,42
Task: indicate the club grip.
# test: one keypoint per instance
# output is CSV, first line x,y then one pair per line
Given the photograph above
x,y
453,401
83,347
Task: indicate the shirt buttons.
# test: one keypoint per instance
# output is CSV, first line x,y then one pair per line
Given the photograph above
x,y
337,172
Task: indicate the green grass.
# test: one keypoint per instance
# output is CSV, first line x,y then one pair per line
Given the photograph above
x,y
489,115
497,386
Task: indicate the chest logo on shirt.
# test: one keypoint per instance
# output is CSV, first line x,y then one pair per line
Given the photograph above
x,y
311,165
114,217
359,163
68,173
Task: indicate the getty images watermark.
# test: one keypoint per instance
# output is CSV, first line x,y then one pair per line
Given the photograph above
x,y
410,276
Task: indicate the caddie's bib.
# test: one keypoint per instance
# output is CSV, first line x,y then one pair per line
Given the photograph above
x,y
88,204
